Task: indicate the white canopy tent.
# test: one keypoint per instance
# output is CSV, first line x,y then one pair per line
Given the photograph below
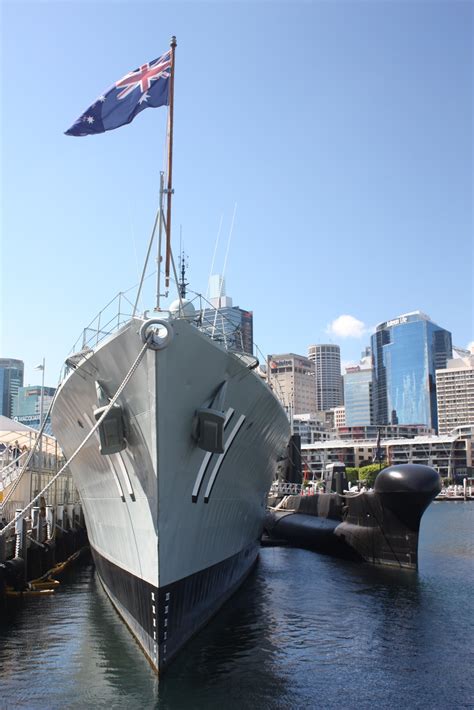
x,y
12,431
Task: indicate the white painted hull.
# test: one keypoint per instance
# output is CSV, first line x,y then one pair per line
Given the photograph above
x,y
149,535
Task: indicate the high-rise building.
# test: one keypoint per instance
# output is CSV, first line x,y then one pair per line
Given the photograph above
x,y
27,406
406,353
292,380
11,378
231,324
339,417
455,394
327,363
358,395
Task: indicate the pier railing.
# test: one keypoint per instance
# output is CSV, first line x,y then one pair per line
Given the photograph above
x,y
17,490
282,488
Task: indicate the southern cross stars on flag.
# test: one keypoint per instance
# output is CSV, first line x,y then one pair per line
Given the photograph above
x,y
147,86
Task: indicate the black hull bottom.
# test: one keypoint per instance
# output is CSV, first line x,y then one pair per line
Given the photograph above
x,y
163,619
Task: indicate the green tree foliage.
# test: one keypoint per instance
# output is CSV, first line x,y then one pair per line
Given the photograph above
x,y
352,474
367,474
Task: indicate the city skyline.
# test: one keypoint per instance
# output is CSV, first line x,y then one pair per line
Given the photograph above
x,y
345,362
347,168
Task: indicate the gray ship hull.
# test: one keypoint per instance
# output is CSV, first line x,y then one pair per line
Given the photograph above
x,y
173,529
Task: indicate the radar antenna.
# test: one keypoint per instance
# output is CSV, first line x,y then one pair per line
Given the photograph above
x,y
183,266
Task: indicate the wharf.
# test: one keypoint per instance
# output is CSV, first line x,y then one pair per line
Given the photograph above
x,y
41,520
456,492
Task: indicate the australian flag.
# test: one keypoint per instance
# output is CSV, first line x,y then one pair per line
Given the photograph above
x,y
149,85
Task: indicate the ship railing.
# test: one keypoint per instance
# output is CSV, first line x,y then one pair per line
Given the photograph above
x,y
108,320
111,318
119,310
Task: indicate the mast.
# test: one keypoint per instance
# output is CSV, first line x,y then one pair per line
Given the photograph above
x,y
169,190
160,235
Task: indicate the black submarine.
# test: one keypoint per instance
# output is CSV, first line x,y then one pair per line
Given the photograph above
x,y
380,526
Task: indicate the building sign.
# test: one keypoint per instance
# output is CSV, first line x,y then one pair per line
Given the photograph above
x,y
281,363
27,418
396,321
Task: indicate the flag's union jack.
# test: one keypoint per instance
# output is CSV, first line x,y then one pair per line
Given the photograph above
x,y
142,78
146,86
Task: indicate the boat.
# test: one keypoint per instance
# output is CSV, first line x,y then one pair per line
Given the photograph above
x,y
173,481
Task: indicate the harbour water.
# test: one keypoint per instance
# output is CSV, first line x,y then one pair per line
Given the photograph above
x,y
305,631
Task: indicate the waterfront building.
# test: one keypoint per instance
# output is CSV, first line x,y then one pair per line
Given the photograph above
x,y
11,378
358,395
406,353
455,394
327,364
292,380
450,455
389,431
231,323
27,406
311,427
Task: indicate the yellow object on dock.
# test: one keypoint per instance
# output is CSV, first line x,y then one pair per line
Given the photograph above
x,y
46,584
29,592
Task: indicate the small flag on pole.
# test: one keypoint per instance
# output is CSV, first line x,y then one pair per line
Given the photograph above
x,y
147,86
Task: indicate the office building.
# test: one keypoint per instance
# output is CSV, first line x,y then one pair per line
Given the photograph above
x,y
406,353
327,363
11,378
292,380
230,324
455,394
27,406
358,395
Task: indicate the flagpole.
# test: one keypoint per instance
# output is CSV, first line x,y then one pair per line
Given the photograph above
x,y
169,191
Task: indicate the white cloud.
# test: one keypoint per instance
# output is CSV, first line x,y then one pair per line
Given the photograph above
x,y
470,346
347,327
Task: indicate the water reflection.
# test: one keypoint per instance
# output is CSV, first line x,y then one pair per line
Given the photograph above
x,y
304,631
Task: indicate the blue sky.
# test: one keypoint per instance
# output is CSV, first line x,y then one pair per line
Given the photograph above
x,y
342,131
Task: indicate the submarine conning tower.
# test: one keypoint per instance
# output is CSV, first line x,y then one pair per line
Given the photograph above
x,y
407,490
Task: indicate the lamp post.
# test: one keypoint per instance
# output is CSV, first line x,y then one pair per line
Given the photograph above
x,y
42,368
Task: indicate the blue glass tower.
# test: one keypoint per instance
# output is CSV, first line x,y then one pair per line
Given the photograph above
x,y
11,378
358,396
406,352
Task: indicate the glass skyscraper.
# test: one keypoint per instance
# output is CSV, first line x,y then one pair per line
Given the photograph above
x,y
406,353
11,378
358,395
